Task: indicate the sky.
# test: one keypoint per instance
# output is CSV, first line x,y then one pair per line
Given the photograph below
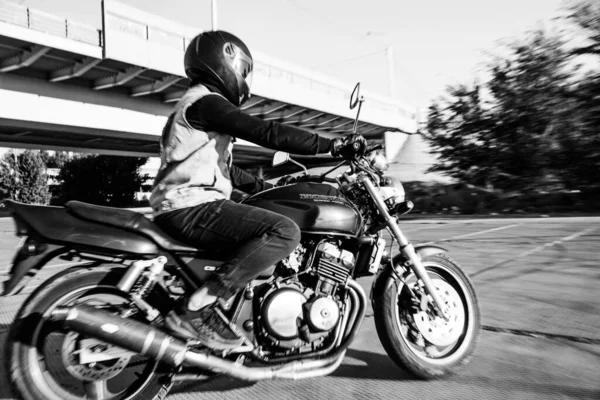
x,y
435,42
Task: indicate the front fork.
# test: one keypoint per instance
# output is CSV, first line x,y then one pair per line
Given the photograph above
x,y
406,247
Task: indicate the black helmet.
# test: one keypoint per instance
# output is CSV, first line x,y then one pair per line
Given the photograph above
x,y
220,58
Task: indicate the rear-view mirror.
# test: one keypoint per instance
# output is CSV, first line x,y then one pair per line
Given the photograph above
x,y
280,157
355,96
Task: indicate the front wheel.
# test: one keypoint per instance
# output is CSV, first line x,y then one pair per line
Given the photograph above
x,y
45,360
412,334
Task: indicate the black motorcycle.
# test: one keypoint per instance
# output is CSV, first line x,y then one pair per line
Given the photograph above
x,y
97,330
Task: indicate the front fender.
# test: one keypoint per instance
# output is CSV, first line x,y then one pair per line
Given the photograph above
x,y
425,250
381,279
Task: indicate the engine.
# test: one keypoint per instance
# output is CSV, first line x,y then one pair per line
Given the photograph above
x,y
302,307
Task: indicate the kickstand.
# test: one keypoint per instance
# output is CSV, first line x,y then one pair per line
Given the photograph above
x,y
165,388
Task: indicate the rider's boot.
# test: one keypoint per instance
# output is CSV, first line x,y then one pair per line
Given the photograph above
x,y
199,321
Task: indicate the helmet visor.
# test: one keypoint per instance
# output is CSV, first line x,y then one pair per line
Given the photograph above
x,y
240,62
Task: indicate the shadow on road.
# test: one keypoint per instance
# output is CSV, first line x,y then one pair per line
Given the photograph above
x,y
378,366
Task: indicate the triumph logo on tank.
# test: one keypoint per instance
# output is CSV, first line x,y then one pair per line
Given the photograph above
x,y
322,198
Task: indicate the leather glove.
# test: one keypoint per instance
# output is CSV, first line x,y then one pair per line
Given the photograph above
x,y
349,147
286,180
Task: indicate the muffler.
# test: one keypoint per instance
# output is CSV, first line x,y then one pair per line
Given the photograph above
x,y
144,339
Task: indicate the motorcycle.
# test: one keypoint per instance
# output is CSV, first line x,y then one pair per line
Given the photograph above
x,y
96,330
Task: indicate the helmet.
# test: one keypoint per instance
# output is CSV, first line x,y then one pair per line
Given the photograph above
x,y
222,59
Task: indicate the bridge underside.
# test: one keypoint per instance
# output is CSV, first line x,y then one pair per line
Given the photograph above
x,y
59,90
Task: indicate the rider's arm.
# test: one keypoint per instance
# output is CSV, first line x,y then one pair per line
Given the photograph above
x,y
214,113
246,182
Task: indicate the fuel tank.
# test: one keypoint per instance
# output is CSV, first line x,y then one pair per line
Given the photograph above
x,y
315,207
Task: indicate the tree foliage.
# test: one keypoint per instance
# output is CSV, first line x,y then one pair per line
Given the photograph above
x,y
23,177
55,159
534,124
101,179
585,16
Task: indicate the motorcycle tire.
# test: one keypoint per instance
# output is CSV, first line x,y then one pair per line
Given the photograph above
x,y
25,346
391,313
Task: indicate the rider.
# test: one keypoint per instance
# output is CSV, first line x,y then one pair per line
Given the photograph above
x,y
191,194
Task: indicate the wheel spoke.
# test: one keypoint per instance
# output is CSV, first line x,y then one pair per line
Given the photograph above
x,y
97,390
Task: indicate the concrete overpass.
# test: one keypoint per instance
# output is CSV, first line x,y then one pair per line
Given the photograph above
x,y
68,86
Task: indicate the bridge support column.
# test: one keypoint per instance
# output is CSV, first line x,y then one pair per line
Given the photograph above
x,y
393,144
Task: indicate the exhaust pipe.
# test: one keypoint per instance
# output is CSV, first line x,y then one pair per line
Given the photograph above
x,y
123,332
146,340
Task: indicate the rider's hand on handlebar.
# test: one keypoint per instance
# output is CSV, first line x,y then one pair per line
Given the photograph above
x,y
349,147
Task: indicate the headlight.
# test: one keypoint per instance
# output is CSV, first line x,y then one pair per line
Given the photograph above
x,y
394,196
392,192
379,162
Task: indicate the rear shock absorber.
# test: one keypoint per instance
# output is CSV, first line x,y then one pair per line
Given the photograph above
x,y
139,283
132,280
144,285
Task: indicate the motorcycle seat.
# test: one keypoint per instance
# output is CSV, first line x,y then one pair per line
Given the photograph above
x,y
129,220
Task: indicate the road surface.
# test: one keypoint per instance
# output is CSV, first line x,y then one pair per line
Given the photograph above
x,y
538,282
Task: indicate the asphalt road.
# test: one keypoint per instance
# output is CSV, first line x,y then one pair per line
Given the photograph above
x,y
538,286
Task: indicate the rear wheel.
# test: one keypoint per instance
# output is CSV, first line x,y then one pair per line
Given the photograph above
x,y
47,362
418,340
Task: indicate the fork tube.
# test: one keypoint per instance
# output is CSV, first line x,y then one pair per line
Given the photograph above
x,y
405,246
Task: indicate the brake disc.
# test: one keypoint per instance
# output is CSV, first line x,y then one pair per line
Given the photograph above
x,y
94,371
437,330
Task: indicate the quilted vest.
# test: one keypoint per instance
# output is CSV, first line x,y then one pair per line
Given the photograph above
x,y
194,164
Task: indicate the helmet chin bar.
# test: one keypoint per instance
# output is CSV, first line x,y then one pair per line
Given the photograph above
x,y
223,58
242,98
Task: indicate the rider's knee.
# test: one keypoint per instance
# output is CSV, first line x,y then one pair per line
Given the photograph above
x,y
288,231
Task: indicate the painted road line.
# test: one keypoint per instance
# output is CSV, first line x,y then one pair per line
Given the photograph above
x,y
536,250
545,335
421,228
472,234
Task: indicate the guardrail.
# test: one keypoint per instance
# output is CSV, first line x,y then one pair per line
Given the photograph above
x,y
26,17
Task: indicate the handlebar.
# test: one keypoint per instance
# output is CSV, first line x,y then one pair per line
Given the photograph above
x,y
355,165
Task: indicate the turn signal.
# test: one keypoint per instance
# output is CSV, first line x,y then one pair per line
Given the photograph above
x,y
403,207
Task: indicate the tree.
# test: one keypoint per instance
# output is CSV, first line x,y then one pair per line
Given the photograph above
x,y
55,159
457,130
580,158
23,177
101,179
585,16
507,141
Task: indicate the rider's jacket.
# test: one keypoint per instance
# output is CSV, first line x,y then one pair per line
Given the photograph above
x,y
196,143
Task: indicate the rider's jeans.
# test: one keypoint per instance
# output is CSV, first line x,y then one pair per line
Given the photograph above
x,y
252,238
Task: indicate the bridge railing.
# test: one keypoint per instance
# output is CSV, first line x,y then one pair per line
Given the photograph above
x,y
26,17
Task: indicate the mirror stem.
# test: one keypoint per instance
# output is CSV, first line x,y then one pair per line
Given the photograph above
x,y
300,165
360,101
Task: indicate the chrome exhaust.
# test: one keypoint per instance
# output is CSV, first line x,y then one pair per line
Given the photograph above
x,y
146,340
